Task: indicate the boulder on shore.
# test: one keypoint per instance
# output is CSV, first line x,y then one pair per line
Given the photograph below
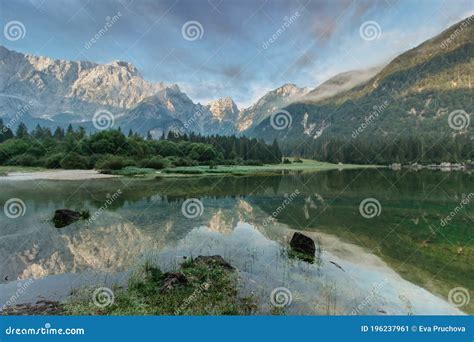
x,y
172,280
303,244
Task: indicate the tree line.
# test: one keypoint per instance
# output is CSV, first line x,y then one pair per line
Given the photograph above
x,y
113,150
376,150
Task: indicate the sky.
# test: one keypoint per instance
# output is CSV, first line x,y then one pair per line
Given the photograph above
x,y
236,48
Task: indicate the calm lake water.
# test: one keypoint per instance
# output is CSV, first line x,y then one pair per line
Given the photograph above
x,y
394,257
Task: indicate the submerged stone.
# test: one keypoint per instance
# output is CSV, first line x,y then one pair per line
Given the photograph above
x,y
64,217
303,244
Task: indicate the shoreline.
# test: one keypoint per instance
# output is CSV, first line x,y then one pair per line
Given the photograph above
x,y
35,173
25,173
264,170
55,175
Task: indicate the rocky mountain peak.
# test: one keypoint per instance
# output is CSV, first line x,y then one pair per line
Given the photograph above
x,y
80,87
289,89
268,104
128,67
224,109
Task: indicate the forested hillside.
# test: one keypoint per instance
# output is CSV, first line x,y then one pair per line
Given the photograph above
x,y
417,108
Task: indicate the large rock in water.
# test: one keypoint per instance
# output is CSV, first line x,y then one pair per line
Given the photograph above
x,y
303,244
64,217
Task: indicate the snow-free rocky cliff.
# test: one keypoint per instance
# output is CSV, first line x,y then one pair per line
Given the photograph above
x,y
51,92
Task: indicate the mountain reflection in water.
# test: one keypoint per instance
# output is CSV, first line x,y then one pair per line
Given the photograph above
x,y
146,223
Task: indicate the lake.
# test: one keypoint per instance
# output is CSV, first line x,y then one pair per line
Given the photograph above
x,y
383,243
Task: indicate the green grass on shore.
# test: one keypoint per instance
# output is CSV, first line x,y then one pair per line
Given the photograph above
x,y
307,165
209,289
240,170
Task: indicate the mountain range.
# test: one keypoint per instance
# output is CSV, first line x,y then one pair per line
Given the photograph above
x,y
416,90
40,90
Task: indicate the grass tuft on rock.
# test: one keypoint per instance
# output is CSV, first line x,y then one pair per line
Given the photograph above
x,y
200,287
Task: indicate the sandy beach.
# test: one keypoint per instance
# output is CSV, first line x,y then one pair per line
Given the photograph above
x,y
57,175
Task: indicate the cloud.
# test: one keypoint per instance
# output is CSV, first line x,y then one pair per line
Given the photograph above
x,y
324,30
228,60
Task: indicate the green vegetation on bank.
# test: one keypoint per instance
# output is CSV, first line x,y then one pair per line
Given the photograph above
x,y
112,150
204,286
294,165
